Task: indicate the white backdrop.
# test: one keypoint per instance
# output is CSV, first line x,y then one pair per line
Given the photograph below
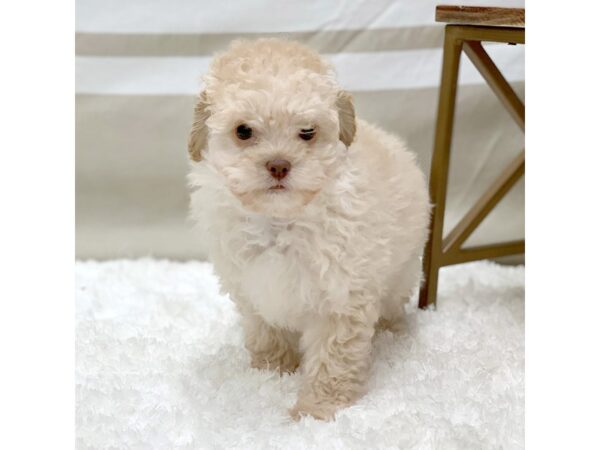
x,y
138,66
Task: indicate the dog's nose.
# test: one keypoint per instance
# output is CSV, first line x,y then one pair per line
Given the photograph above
x,y
279,168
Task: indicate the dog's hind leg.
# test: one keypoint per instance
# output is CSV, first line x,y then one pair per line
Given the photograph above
x,y
401,286
392,315
270,348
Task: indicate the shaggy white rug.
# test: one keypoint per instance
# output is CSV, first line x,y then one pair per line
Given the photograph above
x,y
161,365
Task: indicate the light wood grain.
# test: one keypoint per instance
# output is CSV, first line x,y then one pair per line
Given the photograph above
x,y
480,15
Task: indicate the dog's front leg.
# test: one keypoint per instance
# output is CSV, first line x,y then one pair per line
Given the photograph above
x,y
270,348
337,357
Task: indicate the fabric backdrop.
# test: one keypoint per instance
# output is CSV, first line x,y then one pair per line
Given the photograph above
x,y
138,68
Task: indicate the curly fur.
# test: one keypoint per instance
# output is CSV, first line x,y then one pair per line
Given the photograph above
x,y
312,267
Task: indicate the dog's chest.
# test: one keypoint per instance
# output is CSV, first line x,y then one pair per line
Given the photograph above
x,y
278,279
289,272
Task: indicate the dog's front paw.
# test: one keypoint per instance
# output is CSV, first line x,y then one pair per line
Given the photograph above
x,y
287,363
321,410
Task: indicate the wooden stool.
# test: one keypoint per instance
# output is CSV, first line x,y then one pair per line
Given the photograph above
x,y
473,26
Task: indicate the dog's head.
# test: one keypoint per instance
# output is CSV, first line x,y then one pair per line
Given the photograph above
x,y
273,122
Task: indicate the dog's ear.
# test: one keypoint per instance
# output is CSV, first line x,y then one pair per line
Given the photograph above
x,y
199,135
345,107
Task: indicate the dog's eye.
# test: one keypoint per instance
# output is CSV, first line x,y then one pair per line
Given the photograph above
x,y
243,132
307,134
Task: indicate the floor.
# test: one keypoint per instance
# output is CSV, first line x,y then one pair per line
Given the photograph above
x,y
161,365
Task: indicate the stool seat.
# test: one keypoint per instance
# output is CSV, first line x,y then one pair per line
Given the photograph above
x,y
481,15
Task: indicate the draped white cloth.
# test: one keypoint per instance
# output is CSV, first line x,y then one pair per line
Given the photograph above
x,y
138,66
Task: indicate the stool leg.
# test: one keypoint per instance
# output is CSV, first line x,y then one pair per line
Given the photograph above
x,y
438,178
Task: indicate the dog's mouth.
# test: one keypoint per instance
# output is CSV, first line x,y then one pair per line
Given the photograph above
x,y
277,187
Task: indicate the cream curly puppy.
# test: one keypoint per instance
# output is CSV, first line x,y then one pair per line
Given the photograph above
x,y
315,220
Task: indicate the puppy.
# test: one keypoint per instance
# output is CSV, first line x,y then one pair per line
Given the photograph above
x,y
315,220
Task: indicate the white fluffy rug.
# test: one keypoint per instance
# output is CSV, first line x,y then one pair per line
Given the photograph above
x,y
161,365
